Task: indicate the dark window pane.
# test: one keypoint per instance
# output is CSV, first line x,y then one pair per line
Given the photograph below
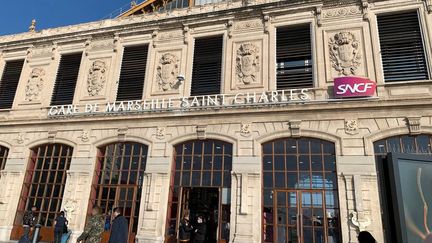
x,y
268,162
279,162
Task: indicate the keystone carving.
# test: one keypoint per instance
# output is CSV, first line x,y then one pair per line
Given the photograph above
x,y
167,72
414,125
295,128
345,53
201,132
351,127
247,63
34,84
96,78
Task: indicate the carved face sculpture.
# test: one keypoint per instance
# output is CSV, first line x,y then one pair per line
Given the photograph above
x,y
167,72
96,78
34,84
247,63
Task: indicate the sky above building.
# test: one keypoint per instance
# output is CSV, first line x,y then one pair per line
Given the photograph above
x,y
16,15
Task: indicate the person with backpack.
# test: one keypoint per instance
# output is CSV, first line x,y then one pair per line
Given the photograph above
x,y
60,227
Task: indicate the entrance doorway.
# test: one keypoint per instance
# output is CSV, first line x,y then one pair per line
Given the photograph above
x,y
300,192
299,217
205,202
201,186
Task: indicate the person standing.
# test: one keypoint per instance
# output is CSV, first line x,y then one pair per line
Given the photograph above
x,y
200,231
119,228
94,227
365,237
185,230
60,227
29,220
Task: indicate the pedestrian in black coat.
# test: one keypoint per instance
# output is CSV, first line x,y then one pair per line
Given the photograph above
x,y
119,228
200,231
185,230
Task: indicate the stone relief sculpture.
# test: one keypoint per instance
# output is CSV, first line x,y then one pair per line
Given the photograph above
x,y
34,84
345,53
167,72
247,63
351,127
96,78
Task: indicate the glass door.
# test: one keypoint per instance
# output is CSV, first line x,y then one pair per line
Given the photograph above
x,y
300,217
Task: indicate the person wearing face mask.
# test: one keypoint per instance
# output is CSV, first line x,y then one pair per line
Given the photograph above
x,y
200,230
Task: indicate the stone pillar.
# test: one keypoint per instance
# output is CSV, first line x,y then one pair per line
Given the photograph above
x,y
11,181
76,198
359,197
154,201
246,200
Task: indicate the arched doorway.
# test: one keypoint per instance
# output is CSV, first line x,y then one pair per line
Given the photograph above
x,y
384,150
43,187
118,182
300,191
3,157
201,185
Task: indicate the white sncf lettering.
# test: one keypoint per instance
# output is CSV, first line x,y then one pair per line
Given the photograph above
x,y
355,88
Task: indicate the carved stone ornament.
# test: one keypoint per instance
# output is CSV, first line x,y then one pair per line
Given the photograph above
x,y
167,72
345,53
20,139
85,136
247,63
34,84
295,128
360,223
351,127
70,207
245,129
414,125
160,133
96,78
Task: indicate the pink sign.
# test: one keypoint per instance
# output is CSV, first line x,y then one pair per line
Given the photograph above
x,y
353,87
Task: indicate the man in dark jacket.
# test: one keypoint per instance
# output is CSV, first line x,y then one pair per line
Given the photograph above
x,y
119,228
200,230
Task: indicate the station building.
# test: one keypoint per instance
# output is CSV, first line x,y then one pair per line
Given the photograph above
x,y
278,121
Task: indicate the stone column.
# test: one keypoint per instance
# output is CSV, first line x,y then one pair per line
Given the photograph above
x,y
76,198
246,200
11,185
154,201
359,197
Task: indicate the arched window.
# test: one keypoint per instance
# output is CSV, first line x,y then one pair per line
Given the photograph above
x,y
300,191
3,157
405,144
44,184
201,186
118,181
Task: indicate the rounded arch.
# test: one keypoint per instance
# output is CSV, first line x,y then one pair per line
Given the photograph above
x,y
5,144
209,135
42,141
392,132
305,133
115,139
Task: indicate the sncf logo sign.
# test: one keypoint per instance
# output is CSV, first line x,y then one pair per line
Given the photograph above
x,y
353,87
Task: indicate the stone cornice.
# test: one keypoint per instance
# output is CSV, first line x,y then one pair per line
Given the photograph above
x,y
177,17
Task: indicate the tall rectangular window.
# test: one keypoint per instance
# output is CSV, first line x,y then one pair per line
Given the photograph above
x,y
294,57
132,73
207,66
9,82
67,75
402,51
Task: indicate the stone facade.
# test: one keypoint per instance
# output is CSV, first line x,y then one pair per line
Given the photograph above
x,y
249,29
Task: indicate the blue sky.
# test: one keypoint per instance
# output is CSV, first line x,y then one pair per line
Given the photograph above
x,y
16,15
